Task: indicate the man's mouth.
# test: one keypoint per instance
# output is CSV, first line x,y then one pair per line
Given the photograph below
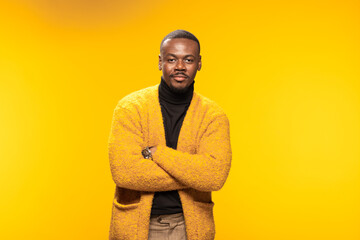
x,y
179,77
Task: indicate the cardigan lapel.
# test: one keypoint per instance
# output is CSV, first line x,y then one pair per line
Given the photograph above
x,y
156,123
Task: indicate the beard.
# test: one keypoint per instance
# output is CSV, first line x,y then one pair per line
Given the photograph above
x,y
179,90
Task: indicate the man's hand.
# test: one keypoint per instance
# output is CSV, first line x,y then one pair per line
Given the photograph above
x,y
153,149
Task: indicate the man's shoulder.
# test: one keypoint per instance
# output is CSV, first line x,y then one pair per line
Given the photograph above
x,y
210,106
138,98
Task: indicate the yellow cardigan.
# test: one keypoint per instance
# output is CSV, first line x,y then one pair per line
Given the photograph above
x,y
200,164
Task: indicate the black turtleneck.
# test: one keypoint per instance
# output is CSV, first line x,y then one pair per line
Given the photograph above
x,y
173,108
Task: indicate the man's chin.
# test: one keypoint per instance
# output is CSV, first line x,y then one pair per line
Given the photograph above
x,y
179,90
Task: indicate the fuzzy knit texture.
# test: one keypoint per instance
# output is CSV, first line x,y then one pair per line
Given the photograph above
x,y
200,164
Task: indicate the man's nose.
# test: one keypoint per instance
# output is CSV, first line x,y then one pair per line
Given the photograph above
x,y
180,65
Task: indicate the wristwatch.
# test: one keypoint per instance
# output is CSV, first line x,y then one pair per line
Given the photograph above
x,y
146,153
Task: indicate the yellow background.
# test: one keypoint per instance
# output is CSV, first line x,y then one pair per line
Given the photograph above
x,y
286,72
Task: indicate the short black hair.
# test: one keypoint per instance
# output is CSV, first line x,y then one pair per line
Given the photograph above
x,y
180,34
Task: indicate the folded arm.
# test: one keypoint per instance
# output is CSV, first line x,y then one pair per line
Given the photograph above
x,y
208,169
128,167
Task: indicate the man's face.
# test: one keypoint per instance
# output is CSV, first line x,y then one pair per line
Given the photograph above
x,y
179,61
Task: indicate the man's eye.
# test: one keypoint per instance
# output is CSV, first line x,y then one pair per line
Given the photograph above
x,y
171,60
189,60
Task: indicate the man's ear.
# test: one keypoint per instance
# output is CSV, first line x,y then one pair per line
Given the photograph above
x,y
160,62
199,64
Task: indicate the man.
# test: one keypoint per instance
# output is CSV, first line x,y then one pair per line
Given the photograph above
x,y
169,147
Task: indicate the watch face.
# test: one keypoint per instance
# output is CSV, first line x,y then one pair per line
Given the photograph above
x,y
146,153
143,152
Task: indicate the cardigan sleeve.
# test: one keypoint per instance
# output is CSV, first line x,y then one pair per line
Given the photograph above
x,y
128,167
206,170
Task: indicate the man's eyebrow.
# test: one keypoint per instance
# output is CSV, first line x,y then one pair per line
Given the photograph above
x,y
173,55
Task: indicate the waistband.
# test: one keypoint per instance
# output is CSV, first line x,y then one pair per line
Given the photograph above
x,y
168,216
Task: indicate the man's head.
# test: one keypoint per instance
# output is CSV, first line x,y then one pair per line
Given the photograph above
x,y
179,59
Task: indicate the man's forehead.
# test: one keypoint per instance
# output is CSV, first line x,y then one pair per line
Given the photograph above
x,y
179,44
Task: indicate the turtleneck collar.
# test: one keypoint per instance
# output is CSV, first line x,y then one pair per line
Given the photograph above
x,y
169,96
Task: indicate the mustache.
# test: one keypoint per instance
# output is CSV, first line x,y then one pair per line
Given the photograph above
x,y
179,74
